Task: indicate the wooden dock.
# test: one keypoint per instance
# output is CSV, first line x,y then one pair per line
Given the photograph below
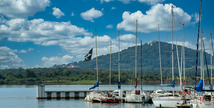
x,y
43,94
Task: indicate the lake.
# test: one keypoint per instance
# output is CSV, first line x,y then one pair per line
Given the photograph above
x,y
24,96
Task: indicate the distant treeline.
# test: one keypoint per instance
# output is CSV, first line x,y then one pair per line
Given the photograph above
x,y
87,76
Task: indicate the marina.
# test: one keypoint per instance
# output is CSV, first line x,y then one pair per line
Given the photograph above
x,y
67,94
23,96
106,54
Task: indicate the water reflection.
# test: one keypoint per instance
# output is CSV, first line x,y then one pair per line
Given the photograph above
x,y
80,103
118,105
41,103
24,96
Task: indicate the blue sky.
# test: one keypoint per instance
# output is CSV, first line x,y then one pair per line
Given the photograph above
x,y
41,33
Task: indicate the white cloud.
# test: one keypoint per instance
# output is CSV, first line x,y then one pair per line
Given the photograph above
x,y
4,66
127,37
91,14
72,14
158,14
196,16
193,46
110,26
23,51
151,2
113,8
22,8
80,46
186,44
126,1
57,12
57,60
104,46
9,59
40,31
123,1
37,66
105,1
30,49
77,41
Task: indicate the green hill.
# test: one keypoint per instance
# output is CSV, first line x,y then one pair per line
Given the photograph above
x,y
150,57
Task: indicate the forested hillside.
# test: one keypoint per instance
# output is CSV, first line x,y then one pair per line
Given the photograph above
x,y
150,57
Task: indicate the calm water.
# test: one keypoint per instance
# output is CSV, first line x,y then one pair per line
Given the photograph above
x,y
24,96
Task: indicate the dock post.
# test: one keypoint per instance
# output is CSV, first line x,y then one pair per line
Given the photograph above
x,y
40,91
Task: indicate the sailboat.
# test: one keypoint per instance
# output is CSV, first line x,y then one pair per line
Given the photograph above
x,y
202,99
167,99
119,92
136,96
94,96
161,91
109,97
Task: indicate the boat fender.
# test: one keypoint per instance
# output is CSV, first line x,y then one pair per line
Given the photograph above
x,y
201,98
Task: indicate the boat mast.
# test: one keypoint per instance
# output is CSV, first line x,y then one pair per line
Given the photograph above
x,y
141,46
110,67
179,67
136,58
202,55
183,59
197,45
160,58
119,85
96,57
211,61
172,52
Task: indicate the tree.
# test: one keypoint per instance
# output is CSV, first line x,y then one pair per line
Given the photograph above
x,y
2,76
67,72
9,74
30,73
19,75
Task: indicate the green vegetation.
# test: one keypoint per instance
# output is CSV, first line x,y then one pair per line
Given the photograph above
x,y
150,57
85,72
86,76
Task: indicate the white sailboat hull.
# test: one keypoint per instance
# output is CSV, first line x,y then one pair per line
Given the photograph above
x,y
136,98
166,101
202,104
93,96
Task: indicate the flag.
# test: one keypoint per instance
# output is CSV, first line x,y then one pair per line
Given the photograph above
x,y
95,85
88,55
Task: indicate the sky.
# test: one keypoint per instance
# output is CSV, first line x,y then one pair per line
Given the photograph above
x,y
42,33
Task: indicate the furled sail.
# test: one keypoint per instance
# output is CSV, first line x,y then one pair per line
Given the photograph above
x,y
172,84
199,87
135,83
